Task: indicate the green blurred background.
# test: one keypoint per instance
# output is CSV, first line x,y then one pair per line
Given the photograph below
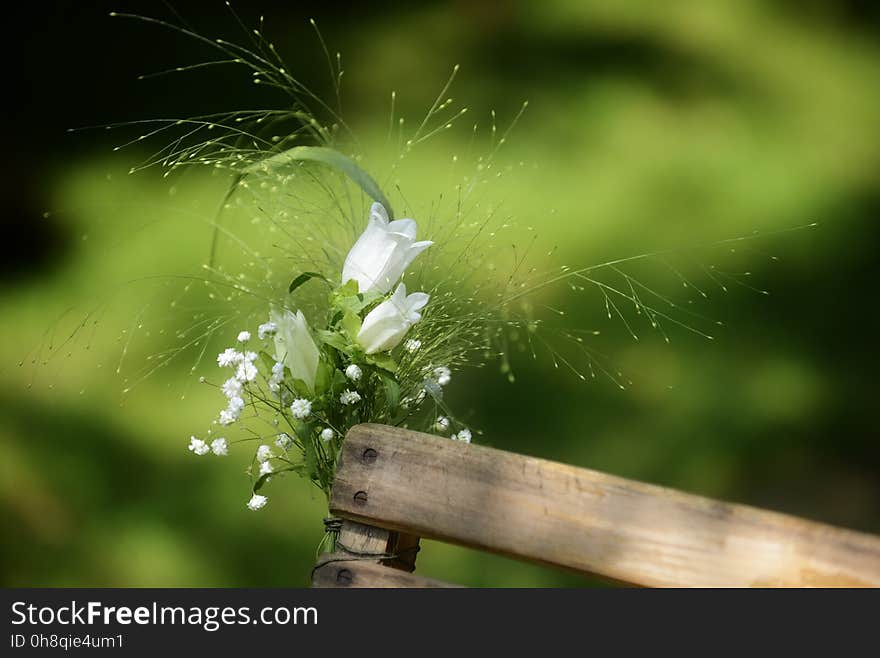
x,y
650,125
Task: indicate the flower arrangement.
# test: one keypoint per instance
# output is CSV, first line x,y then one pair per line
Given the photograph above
x,y
315,382
339,313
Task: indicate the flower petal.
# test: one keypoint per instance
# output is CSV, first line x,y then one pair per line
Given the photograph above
x,y
378,212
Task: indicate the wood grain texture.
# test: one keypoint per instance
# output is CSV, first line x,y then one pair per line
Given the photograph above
x,y
361,541
337,570
584,520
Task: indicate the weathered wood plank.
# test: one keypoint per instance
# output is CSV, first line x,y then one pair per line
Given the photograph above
x,y
337,570
584,520
361,541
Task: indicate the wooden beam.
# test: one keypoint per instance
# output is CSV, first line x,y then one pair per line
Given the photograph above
x,y
584,520
362,541
338,570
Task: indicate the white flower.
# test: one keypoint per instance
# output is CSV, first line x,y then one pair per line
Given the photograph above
x,y
353,372
464,436
257,502
441,424
284,441
412,345
244,336
219,447
229,357
264,453
250,357
265,468
267,329
350,397
232,388
246,371
301,408
443,375
198,446
387,324
295,347
277,377
382,252
327,434
420,397
232,412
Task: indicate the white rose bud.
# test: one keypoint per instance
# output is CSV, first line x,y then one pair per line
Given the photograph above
x,y
295,347
382,252
387,324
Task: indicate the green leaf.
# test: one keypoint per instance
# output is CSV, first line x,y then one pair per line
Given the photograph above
x,y
320,154
331,158
302,278
392,392
349,289
357,303
384,361
301,388
267,360
323,377
351,324
334,339
339,383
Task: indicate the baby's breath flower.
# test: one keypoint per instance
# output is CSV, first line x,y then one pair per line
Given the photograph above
x,y
350,397
267,329
257,502
301,408
233,412
441,424
264,453
443,375
408,401
198,446
232,388
353,372
277,377
229,357
236,404
327,434
284,441
246,371
464,436
266,468
412,345
244,336
219,447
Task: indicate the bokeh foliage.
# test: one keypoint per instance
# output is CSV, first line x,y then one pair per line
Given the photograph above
x,y
650,125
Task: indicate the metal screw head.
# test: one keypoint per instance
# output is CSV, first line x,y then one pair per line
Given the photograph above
x,y
344,577
360,498
370,456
